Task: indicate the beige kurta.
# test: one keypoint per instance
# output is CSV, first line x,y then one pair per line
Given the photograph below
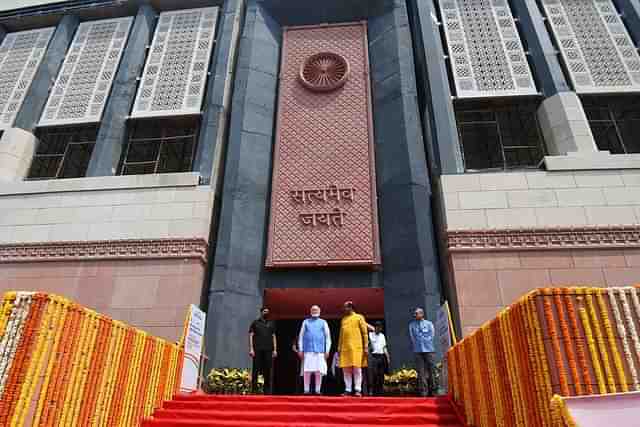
x,y
354,338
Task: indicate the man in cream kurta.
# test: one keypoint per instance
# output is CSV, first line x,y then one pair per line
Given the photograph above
x,y
353,348
314,345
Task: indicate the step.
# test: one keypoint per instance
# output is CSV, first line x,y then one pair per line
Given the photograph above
x,y
310,405
260,398
344,417
300,423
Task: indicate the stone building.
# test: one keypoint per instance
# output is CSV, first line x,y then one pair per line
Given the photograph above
x,y
234,153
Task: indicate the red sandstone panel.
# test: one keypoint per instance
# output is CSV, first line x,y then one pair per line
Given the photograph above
x,y
323,203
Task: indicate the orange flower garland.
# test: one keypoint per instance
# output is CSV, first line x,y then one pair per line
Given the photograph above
x,y
566,338
87,363
502,373
555,343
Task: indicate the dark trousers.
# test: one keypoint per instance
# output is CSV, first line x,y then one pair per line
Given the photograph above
x,y
376,374
262,363
424,366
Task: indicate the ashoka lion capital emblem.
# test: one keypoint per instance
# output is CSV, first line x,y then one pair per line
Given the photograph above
x,y
324,72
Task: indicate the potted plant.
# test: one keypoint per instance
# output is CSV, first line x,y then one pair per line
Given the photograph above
x,y
230,381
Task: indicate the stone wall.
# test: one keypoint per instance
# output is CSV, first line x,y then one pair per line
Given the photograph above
x,y
509,233
105,208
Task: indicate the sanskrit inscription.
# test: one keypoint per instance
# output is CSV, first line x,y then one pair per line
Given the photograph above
x,y
323,195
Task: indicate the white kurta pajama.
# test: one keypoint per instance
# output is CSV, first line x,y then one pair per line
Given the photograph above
x,y
314,341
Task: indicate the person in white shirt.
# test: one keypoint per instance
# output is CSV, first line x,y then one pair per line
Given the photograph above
x,y
378,357
314,345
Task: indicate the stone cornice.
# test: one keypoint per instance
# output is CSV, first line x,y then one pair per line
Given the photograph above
x,y
104,250
544,238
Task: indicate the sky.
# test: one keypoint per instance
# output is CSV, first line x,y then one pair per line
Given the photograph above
x,y
15,4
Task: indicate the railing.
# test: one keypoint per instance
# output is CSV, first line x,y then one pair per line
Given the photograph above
x,y
566,342
65,365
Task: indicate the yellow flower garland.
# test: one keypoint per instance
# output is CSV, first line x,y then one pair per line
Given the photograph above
x,y
612,342
593,350
561,413
602,347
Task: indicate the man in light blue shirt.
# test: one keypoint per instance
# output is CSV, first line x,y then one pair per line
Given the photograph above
x,y
421,332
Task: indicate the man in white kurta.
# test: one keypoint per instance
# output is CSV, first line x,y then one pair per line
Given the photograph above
x,y
314,345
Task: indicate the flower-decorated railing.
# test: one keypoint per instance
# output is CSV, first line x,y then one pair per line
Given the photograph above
x,y
62,364
566,342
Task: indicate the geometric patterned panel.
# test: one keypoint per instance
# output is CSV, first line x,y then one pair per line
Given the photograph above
x,y
323,192
595,45
486,53
175,74
84,82
20,57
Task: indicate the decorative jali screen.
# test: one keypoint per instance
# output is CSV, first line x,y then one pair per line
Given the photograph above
x,y
487,57
176,71
323,206
595,45
20,56
83,85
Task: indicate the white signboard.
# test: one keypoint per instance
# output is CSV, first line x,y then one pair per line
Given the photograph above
x,y
193,350
443,341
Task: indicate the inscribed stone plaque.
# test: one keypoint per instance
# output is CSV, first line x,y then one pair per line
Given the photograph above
x,y
323,201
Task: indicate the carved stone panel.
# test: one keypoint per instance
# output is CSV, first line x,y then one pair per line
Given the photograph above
x,y
323,204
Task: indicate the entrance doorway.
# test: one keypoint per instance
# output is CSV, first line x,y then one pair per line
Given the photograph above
x,y
289,307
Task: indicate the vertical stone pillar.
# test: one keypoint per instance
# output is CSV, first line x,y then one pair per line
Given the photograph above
x,y
564,125
113,128
631,15
38,93
17,147
217,99
440,129
546,65
3,32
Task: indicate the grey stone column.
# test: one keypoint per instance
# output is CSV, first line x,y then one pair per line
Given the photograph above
x,y
410,270
215,115
236,288
113,128
630,10
547,69
439,125
38,93
3,32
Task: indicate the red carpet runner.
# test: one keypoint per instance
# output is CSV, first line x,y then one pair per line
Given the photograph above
x,y
299,411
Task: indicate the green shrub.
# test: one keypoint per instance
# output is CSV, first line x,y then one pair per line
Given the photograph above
x,y
230,381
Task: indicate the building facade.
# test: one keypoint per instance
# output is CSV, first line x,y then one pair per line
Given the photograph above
x,y
235,153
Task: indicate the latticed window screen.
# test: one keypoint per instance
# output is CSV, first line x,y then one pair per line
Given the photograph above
x,y
485,50
595,46
175,74
20,56
82,87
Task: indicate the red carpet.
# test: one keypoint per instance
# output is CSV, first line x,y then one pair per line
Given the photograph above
x,y
299,411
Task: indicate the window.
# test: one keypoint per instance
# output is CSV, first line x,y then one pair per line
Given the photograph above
x,y
63,152
160,146
499,135
615,122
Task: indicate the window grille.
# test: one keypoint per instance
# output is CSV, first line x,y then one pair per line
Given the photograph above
x,y
84,82
63,152
160,146
486,55
595,46
20,56
499,135
614,122
175,74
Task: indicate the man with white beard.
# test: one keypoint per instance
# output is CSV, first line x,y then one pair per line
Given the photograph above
x,y
314,345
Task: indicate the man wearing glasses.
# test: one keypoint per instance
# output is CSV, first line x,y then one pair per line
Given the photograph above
x,y
421,332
